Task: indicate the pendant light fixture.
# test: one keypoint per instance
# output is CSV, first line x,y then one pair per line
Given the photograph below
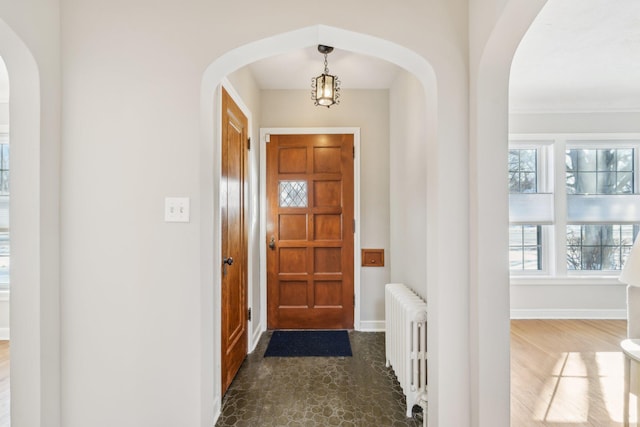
x,y
325,89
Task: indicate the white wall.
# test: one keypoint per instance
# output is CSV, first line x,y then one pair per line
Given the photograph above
x,y
408,183
131,112
132,74
570,296
574,122
368,110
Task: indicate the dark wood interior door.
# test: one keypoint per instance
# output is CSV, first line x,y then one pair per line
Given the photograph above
x,y
310,226
234,239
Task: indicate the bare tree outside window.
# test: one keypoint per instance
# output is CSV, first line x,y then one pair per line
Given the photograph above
x,y
525,241
599,246
523,170
599,171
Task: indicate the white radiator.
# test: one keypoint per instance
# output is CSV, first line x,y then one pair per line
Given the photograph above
x,y
406,342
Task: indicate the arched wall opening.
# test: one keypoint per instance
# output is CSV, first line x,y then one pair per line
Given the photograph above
x,y
489,278
35,329
210,172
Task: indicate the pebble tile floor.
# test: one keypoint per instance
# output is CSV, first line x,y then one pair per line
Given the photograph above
x,y
317,391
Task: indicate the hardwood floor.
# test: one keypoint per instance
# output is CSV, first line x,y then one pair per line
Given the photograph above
x,y
567,373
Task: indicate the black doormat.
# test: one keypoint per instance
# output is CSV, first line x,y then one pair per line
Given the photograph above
x,y
309,343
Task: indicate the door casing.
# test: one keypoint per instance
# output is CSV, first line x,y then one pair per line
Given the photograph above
x,y
264,136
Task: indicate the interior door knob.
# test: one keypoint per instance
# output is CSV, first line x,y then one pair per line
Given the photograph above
x,y
228,261
272,243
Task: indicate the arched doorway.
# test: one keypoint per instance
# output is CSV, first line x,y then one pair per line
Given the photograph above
x,y
228,63
34,319
489,278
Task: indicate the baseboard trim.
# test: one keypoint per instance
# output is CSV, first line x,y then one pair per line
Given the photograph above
x,y
255,338
518,313
4,334
217,410
372,326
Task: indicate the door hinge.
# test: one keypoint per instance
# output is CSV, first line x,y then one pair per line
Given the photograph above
x,y
248,143
354,300
249,314
354,151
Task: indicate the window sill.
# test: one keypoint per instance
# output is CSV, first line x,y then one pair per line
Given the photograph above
x,y
566,281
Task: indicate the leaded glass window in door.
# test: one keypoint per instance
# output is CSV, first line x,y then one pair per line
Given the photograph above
x,y
293,194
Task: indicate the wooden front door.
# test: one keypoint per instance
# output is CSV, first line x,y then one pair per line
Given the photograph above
x,y
310,232
234,239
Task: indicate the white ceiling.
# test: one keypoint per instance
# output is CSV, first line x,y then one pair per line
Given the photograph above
x,y
294,70
578,55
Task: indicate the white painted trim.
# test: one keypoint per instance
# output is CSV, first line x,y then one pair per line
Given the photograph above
x,y
217,409
255,337
372,326
552,137
4,334
357,269
217,241
5,295
566,281
575,313
355,131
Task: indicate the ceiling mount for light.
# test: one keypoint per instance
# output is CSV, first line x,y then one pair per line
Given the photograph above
x,y
325,89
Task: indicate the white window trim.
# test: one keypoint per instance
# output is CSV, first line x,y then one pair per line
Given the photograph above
x,y
551,174
545,184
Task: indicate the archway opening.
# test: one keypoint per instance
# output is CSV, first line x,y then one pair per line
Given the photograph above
x,y
34,317
417,66
571,122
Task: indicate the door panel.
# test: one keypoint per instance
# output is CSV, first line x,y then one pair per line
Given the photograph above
x,y
234,239
310,231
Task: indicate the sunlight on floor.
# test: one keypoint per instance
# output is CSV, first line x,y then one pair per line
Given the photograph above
x,y
569,391
611,374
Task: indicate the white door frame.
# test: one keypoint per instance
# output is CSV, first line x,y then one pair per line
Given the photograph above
x,y
264,138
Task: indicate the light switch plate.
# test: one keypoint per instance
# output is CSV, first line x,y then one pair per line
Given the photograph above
x,y
176,209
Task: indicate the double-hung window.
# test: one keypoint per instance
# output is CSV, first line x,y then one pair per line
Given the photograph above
x,y
601,202
528,187
589,224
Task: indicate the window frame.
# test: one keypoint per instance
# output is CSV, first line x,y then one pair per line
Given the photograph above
x,y
600,143
545,260
554,245
545,184
597,145
543,161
